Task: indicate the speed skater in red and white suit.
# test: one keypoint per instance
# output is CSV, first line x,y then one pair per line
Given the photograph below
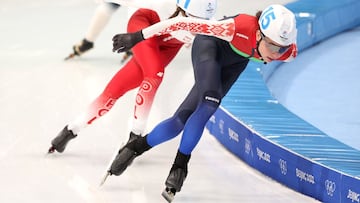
x,y
144,70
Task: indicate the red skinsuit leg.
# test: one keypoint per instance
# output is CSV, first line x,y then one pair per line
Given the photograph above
x,y
153,58
153,55
127,78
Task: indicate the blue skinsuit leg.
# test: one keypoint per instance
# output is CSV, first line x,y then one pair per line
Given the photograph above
x,y
165,131
195,125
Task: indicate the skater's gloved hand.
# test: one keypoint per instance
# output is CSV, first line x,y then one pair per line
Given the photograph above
x,y
124,42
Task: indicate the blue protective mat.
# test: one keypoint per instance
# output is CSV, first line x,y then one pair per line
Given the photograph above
x,y
253,125
322,86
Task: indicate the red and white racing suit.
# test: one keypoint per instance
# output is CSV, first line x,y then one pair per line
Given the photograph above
x,y
144,70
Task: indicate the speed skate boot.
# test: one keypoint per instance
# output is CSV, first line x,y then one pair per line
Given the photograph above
x,y
177,175
60,141
81,48
127,154
133,137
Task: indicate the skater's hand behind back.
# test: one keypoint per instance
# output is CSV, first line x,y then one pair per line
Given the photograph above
x,y
124,42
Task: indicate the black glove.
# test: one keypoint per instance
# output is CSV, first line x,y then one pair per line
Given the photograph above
x,y
124,42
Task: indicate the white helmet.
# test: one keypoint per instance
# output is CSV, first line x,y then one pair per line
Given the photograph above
x,y
278,23
199,8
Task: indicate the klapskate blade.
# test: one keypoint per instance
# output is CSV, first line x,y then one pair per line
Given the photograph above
x,y
104,178
70,57
168,195
51,150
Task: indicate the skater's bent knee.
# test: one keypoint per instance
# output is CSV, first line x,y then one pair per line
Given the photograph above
x,y
184,115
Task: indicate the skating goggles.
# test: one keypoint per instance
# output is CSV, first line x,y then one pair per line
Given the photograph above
x,y
273,47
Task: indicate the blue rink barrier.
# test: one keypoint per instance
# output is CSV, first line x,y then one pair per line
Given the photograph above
x,y
255,127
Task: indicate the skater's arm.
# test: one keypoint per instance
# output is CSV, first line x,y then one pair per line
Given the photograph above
x,y
224,29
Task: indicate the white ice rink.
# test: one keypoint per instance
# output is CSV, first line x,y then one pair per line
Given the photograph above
x,y
40,93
